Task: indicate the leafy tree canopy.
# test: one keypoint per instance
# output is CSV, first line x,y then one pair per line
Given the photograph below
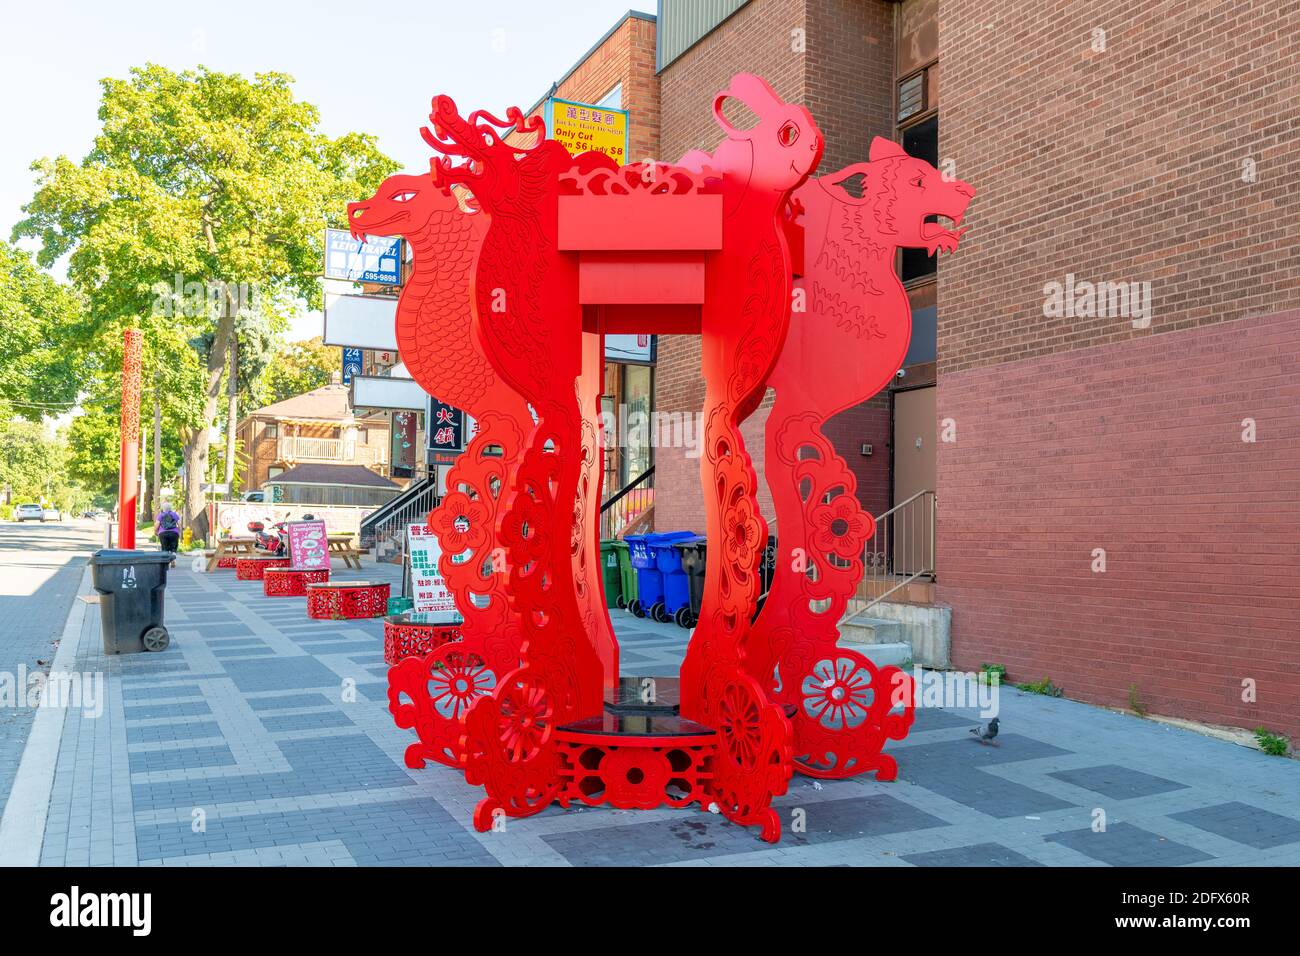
x,y
296,368
39,373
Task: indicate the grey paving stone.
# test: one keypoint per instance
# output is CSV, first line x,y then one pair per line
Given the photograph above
x,y
703,835
978,854
1123,844
189,730
337,764
954,769
1116,782
281,673
133,694
282,723
197,708
288,702
1243,823
189,758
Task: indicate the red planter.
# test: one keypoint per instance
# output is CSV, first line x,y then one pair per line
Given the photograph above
x,y
347,600
291,582
252,569
415,634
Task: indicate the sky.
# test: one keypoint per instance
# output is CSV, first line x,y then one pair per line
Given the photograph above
x,y
370,67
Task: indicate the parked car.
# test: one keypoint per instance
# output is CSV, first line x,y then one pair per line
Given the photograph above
x,y
29,513
52,514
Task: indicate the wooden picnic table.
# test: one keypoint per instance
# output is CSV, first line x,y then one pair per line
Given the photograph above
x,y
241,547
344,546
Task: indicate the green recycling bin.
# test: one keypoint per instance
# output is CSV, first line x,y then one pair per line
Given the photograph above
x,y
609,572
619,575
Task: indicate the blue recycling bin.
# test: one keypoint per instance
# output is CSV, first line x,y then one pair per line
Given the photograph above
x,y
675,587
649,580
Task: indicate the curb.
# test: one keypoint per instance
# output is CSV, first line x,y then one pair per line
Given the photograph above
x,y
22,828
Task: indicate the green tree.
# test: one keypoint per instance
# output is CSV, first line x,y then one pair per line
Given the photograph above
x,y
39,372
204,193
298,367
31,460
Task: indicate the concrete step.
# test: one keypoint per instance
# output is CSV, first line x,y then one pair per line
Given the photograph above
x,y
864,629
882,655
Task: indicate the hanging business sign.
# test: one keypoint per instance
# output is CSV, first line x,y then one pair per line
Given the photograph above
x,y
580,127
361,321
351,364
428,586
633,349
376,259
403,450
445,428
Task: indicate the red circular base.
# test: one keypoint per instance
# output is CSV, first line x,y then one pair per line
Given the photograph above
x,y
416,640
252,569
334,602
634,773
291,582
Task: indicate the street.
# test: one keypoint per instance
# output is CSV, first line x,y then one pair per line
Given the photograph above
x,y
40,569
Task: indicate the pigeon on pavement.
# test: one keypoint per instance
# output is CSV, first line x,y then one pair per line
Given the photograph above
x,y
986,734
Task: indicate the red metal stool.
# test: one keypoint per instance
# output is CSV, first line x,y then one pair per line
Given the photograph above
x,y
252,569
292,582
347,600
416,633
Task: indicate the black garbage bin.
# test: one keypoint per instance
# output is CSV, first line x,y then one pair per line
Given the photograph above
x,y
131,586
694,554
766,574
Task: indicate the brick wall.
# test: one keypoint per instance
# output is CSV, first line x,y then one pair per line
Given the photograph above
x,y
1135,448
1083,433
1123,165
627,57
844,76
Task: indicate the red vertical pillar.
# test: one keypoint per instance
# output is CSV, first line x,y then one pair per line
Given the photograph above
x,y
128,485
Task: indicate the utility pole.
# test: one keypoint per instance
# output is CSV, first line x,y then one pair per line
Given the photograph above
x,y
157,450
232,412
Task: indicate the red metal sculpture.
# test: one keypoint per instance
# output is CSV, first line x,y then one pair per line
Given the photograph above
x,y
854,305
576,247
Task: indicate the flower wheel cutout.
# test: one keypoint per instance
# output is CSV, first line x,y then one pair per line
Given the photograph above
x,y
838,693
461,680
738,719
841,527
525,720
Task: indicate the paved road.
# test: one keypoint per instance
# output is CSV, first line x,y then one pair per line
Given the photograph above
x,y
40,570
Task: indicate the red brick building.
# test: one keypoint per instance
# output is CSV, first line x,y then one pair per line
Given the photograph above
x,y
1117,475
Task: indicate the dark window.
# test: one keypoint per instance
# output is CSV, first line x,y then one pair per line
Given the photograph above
x,y
921,141
911,97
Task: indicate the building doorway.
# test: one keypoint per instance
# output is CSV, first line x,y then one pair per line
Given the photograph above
x,y
915,471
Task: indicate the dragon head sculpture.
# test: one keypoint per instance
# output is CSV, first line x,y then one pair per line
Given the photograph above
x,y
906,196
402,206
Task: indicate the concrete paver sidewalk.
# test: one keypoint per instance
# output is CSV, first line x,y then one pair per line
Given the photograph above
x,y
243,744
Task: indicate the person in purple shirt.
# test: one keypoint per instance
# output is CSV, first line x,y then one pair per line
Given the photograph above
x,y
167,526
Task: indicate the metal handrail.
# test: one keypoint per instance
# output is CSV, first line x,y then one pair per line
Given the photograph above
x,y
634,501
890,567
